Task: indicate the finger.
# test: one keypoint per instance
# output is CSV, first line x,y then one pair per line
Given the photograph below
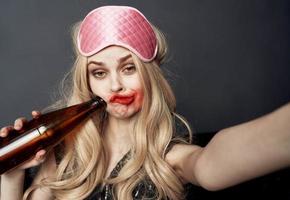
x,y
35,114
40,153
39,158
5,130
18,124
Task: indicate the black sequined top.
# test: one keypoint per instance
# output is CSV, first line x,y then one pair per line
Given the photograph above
x,y
144,190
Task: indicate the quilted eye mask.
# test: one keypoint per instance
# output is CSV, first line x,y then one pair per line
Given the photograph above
x,y
117,25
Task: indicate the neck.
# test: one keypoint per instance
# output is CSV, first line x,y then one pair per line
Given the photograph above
x,y
117,134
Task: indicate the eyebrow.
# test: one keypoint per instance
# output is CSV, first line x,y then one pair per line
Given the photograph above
x,y
120,60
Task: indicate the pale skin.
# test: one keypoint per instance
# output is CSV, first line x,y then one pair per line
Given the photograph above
x,y
234,155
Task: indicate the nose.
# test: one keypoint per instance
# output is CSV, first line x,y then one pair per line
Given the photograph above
x,y
116,84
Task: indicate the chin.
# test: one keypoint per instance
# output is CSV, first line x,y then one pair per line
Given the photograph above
x,y
122,113
122,116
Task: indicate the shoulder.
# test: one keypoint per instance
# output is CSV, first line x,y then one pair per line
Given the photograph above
x,y
182,159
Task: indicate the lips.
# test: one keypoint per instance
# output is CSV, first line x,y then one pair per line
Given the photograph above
x,y
125,100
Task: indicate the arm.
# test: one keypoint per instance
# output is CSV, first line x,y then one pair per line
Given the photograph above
x,y
12,185
238,153
246,151
47,170
12,181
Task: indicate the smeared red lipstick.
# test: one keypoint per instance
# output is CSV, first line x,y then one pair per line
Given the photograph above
x,y
122,99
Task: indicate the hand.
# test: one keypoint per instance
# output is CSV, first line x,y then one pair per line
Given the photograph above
x,y
18,124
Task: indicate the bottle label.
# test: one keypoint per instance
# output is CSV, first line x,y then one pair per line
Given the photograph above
x,y
22,140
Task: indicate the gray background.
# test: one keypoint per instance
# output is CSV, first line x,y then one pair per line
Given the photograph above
x,y
228,62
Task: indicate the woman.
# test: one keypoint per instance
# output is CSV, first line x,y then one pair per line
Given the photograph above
x,y
134,150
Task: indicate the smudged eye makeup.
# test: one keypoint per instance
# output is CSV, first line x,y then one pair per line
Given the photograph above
x,y
99,73
129,69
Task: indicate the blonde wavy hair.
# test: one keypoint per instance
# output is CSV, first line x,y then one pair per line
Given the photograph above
x,y
84,162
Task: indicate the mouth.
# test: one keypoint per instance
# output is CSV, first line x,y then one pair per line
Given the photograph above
x,y
125,100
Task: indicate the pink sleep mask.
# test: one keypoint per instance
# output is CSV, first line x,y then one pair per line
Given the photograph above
x,y
117,25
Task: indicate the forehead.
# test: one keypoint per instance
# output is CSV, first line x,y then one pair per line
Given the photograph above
x,y
111,53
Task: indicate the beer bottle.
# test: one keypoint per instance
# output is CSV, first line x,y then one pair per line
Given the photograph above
x,y
43,132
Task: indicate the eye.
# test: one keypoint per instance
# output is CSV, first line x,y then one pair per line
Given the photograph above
x,y
99,74
129,69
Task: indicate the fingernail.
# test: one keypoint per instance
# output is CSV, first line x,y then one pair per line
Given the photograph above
x,y
3,130
3,133
17,127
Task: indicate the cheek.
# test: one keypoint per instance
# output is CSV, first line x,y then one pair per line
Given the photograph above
x,y
98,89
139,97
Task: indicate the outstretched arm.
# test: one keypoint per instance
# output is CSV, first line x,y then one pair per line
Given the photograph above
x,y
238,153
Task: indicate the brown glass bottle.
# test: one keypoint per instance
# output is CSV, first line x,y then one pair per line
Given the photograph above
x,y
44,132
